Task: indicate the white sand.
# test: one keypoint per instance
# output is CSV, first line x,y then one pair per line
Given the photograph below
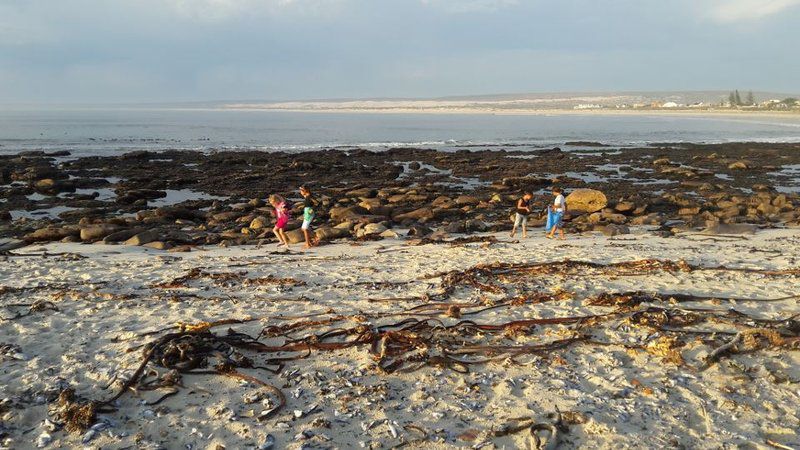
x,y
629,398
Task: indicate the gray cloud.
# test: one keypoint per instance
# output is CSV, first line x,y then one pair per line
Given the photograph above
x,y
184,50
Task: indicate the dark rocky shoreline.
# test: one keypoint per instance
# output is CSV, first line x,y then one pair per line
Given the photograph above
x,y
366,194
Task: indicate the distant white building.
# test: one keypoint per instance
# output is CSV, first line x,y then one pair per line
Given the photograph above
x,y
670,105
588,106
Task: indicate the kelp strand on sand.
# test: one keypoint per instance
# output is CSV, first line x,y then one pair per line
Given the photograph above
x,y
227,277
485,277
411,344
36,306
437,333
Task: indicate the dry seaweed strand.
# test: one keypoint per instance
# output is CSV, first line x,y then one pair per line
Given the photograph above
x,y
36,306
485,277
421,339
227,277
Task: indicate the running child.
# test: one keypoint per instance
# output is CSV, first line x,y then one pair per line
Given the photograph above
x,y
282,215
309,203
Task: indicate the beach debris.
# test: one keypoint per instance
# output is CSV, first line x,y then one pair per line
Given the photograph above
x,y
228,278
456,242
12,351
746,341
76,415
487,277
629,299
269,443
44,439
543,434
36,306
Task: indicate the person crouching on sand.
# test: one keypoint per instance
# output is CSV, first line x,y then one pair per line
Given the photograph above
x,y
282,216
309,203
523,210
555,215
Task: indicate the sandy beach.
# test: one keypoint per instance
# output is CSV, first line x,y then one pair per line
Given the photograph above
x,y
623,378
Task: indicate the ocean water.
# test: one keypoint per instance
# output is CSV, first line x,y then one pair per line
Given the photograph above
x,y
112,131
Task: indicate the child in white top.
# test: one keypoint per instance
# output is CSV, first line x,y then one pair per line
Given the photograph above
x,y
558,210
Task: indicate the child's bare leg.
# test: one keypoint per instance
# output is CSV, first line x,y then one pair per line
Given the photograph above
x,y
284,238
308,238
561,232
277,235
524,229
513,230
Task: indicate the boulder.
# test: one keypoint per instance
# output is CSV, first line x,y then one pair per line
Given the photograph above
x,y
419,231
729,212
649,219
662,162
391,234
345,213
260,223
295,236
226,216
373,228
370,203
242,207
328,233
178,237
443,201
49,234
96,232
397,198
476,226
347,225
586,200
767,209
158,245
625,207
739,165
422,214
122,235
51,186
143,238
612,229
463,200
363,192
455,227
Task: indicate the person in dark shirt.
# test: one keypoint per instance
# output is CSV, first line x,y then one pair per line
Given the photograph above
x,y
522,211
309,205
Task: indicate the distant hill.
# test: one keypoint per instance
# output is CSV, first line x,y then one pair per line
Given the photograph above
x,y
529,101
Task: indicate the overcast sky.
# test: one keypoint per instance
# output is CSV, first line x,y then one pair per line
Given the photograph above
x,y
194,50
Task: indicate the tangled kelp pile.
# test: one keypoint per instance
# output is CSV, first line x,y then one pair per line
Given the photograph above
x,y
456,336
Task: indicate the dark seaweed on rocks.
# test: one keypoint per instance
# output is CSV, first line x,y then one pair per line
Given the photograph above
x,y
676,186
